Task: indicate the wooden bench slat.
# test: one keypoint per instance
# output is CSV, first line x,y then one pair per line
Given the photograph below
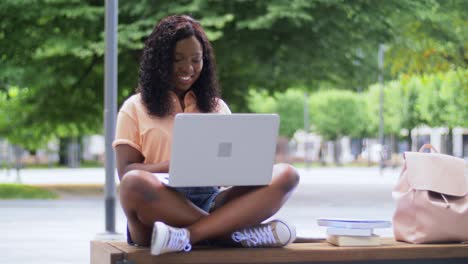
x,y
105,252
297,252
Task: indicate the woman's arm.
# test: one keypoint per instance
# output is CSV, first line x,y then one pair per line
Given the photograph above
x,y
129,159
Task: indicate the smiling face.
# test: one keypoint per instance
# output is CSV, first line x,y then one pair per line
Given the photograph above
x,y
188,63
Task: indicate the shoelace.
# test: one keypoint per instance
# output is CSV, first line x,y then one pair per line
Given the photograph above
x,y
178,240
262,235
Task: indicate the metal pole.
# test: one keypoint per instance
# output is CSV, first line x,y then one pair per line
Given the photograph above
x,y
306,130
8,164
381,104
18,163
110,109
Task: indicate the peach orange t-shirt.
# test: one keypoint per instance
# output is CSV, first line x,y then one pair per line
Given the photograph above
x,y
152,135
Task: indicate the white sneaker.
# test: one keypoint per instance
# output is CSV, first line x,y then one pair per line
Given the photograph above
x,y
169,239
275,233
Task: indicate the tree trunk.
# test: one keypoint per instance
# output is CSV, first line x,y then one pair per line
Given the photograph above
x,y
337,151
393,149
449,142
18,152
63,150
394,142
368,148
322,152
409,140
74,152
70,151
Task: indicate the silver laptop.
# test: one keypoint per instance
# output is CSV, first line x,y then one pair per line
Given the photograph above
x,y
222,150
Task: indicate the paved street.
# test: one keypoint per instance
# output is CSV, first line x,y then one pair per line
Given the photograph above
x,y
59,231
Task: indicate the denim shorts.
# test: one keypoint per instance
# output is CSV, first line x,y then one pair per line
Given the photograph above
x,y
203,197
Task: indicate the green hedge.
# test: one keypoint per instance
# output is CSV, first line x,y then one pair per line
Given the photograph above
x,y
22,191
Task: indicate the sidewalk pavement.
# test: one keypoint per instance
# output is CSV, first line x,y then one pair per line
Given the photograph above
x,y
96,176
59,231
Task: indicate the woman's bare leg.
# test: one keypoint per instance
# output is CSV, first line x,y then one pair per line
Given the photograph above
x,y
246,206
145,200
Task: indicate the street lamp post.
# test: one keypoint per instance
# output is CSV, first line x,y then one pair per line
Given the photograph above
x,y
381,104
306,131
110,109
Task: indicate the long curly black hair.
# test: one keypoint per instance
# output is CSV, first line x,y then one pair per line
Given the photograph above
x,y
156,66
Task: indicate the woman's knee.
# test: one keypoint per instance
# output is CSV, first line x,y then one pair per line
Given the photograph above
x,y
288,177
137,185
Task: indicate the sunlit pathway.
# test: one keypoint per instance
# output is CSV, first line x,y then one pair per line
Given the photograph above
x,y
37,231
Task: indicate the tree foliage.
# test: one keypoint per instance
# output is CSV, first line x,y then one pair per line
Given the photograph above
x,y
434,100
55,48
411,90
289,105
392,107
337,113
18,129
443,100
431,39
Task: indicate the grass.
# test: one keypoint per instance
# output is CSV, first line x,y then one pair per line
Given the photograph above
x,y
84,164
75,190
23,191
317,164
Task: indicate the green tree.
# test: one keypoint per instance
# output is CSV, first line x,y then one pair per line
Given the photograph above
x,y
280,44
392,111
432,38
17,128
289,105
442,102
410,114
337,113
55,48
259,101
392,107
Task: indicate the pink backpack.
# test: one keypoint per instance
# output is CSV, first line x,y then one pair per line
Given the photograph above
x,y
431,199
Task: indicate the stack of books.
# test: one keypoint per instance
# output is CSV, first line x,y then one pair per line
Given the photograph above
x,y
346,232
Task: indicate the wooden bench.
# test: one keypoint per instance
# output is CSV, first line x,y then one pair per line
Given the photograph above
x,y
311,251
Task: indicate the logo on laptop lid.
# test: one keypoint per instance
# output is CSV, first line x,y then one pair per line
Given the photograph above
x,y
224,149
